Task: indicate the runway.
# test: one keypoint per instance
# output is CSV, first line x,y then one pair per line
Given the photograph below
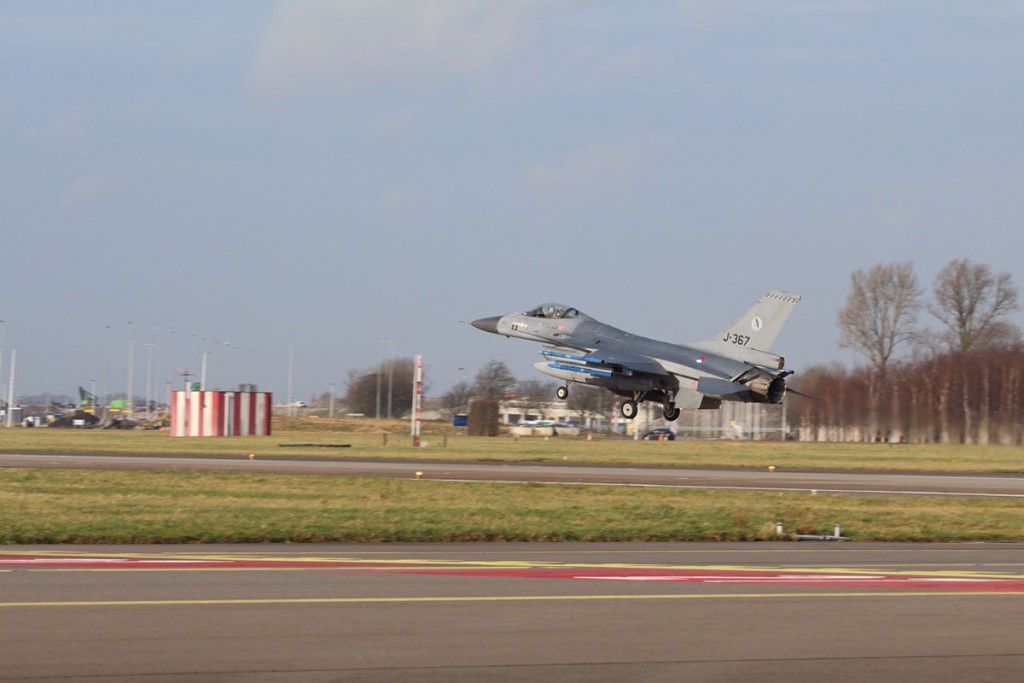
x,y
999,486
538,612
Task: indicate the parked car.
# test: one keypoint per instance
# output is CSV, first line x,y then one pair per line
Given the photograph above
x,y
662,433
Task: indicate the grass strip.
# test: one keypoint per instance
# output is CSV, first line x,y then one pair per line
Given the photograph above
x,y
64,506
601,450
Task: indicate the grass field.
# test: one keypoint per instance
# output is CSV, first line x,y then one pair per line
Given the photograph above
x,y
54,506
366,439
50,506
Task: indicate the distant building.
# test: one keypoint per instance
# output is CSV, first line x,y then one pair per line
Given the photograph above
x,y
514,412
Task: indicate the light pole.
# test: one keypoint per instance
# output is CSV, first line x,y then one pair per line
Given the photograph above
x,y
171,351
131,354
10,388
386,355
380,361
332,400
202,369
157,361
391,384
149,377
227,360
291,368
3,330
106,368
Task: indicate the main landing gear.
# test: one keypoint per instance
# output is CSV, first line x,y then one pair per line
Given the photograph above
x,y
562,392
630,407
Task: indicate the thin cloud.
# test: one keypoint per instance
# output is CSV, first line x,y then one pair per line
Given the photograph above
x,y
713,14
397,122
71,126
86,190
834,7
324,43
598,168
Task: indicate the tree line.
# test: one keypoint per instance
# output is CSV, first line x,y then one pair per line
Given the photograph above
x,y
494,382
962,382
958,380
389,385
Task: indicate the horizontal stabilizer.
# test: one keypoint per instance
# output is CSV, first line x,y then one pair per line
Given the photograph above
x,y
790,390
720,387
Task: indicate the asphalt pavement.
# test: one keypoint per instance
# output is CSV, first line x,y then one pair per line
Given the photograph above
x,y
934,484
513,612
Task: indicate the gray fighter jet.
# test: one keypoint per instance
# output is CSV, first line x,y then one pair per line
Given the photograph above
x,y
736,365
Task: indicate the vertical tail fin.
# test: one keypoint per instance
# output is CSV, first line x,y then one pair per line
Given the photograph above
x,y
751,336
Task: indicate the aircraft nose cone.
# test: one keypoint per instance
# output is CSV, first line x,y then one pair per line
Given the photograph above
x,y
487,324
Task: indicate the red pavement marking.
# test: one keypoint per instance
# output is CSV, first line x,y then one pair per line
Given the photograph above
x,y
625,575
639,575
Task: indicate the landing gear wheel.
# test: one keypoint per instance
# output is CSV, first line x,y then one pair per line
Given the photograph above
x,y
562,393
671,413
629,410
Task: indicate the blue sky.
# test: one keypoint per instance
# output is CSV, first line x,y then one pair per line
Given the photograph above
x,y
352,179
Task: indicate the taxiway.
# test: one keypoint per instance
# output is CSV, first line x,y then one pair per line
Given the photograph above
x,y
935,484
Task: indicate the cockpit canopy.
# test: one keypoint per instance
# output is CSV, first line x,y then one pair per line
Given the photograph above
x,y
553,311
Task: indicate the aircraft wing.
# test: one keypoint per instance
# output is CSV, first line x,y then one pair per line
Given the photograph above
x,y
622,363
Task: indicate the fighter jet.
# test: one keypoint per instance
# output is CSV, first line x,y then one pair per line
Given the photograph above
x,y
735,365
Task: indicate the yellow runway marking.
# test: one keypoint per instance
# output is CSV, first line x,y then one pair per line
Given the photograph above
x,y
498,598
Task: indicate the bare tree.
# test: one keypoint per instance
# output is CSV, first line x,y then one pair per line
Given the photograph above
x,y
534,395
880,312
364,386
973,304
927,385
880,315
587,401
456,401
493,381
